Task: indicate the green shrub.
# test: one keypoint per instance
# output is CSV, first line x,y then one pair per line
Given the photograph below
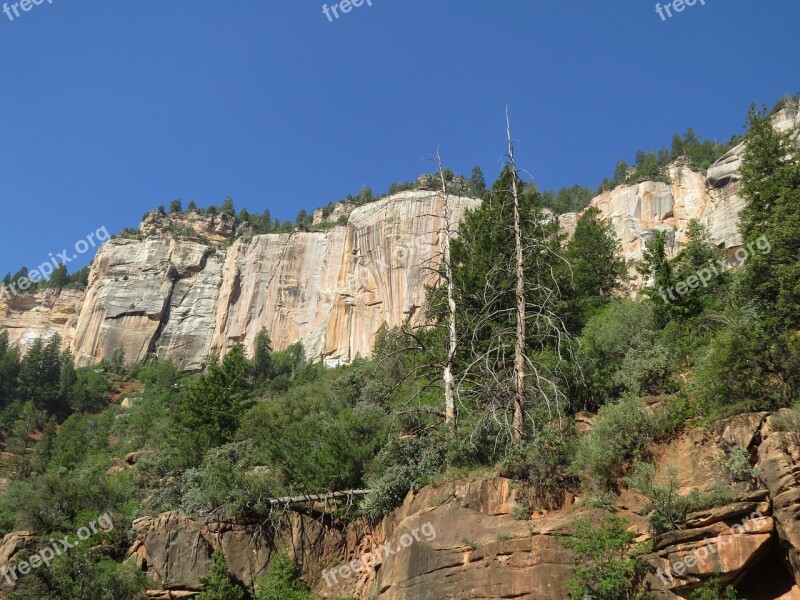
x,y
714,590
282,581
403,465
618,352
229,481
219,584
667,508
621,432
610,567
542,464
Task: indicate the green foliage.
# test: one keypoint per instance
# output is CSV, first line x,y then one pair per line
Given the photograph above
x,y
219,584
282,581
595,270
619,352
621,432
542,464
262,359
567,200
748,368
667,508
651,165
314,436
214,405
714,590
739,469
477,182
610,568
402,465
229,482
82,575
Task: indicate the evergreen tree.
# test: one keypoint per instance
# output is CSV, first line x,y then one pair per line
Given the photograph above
x,y
192,206
262,358
484,267
219,584
657,267
594,270
701,267
228,208
477,181
770,223
215,402
175,207
282,581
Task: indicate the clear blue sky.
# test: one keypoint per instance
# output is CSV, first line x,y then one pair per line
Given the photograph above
x,y
111,108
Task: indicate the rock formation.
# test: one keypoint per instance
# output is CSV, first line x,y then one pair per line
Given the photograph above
x,y
188,284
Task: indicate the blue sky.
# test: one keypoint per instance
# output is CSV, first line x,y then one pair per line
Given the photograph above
x,y
111,108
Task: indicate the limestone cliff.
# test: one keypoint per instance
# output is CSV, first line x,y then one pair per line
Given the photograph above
x,y
185,285
637,212
171,292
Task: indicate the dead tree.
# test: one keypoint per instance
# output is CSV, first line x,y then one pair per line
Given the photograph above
x,y
518,422
447,265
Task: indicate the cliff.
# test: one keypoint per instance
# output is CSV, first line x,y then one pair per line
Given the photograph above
x,y
175,292
190,284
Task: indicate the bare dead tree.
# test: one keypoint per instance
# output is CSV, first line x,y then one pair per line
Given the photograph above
x,y
518,422
447,265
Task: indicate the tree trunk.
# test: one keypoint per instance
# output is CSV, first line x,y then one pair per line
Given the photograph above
x,y
448,377
518,419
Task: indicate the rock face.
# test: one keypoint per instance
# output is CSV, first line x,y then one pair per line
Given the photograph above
x,y
638,212
174,295
187,284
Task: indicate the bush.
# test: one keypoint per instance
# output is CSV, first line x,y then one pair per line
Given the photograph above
x,y
229,481
619,352
220,584
282,581
621,432
714,590
404,465
610,570
542,465
667,508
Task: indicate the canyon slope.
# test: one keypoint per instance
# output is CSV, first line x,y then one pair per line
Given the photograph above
x,y
190,285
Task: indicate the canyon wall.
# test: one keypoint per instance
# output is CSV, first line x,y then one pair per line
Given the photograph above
x,y
186,286
190,284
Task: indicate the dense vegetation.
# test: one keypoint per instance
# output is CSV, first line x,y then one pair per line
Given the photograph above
x,y
228,440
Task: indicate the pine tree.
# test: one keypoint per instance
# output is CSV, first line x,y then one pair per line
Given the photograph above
x,y
657,267
175,207
228,208
215,402
594,269
262,359
477,181
219,584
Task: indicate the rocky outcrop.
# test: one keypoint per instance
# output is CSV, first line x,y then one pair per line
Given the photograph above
x,y
638,212
779,462
27,317
332,290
